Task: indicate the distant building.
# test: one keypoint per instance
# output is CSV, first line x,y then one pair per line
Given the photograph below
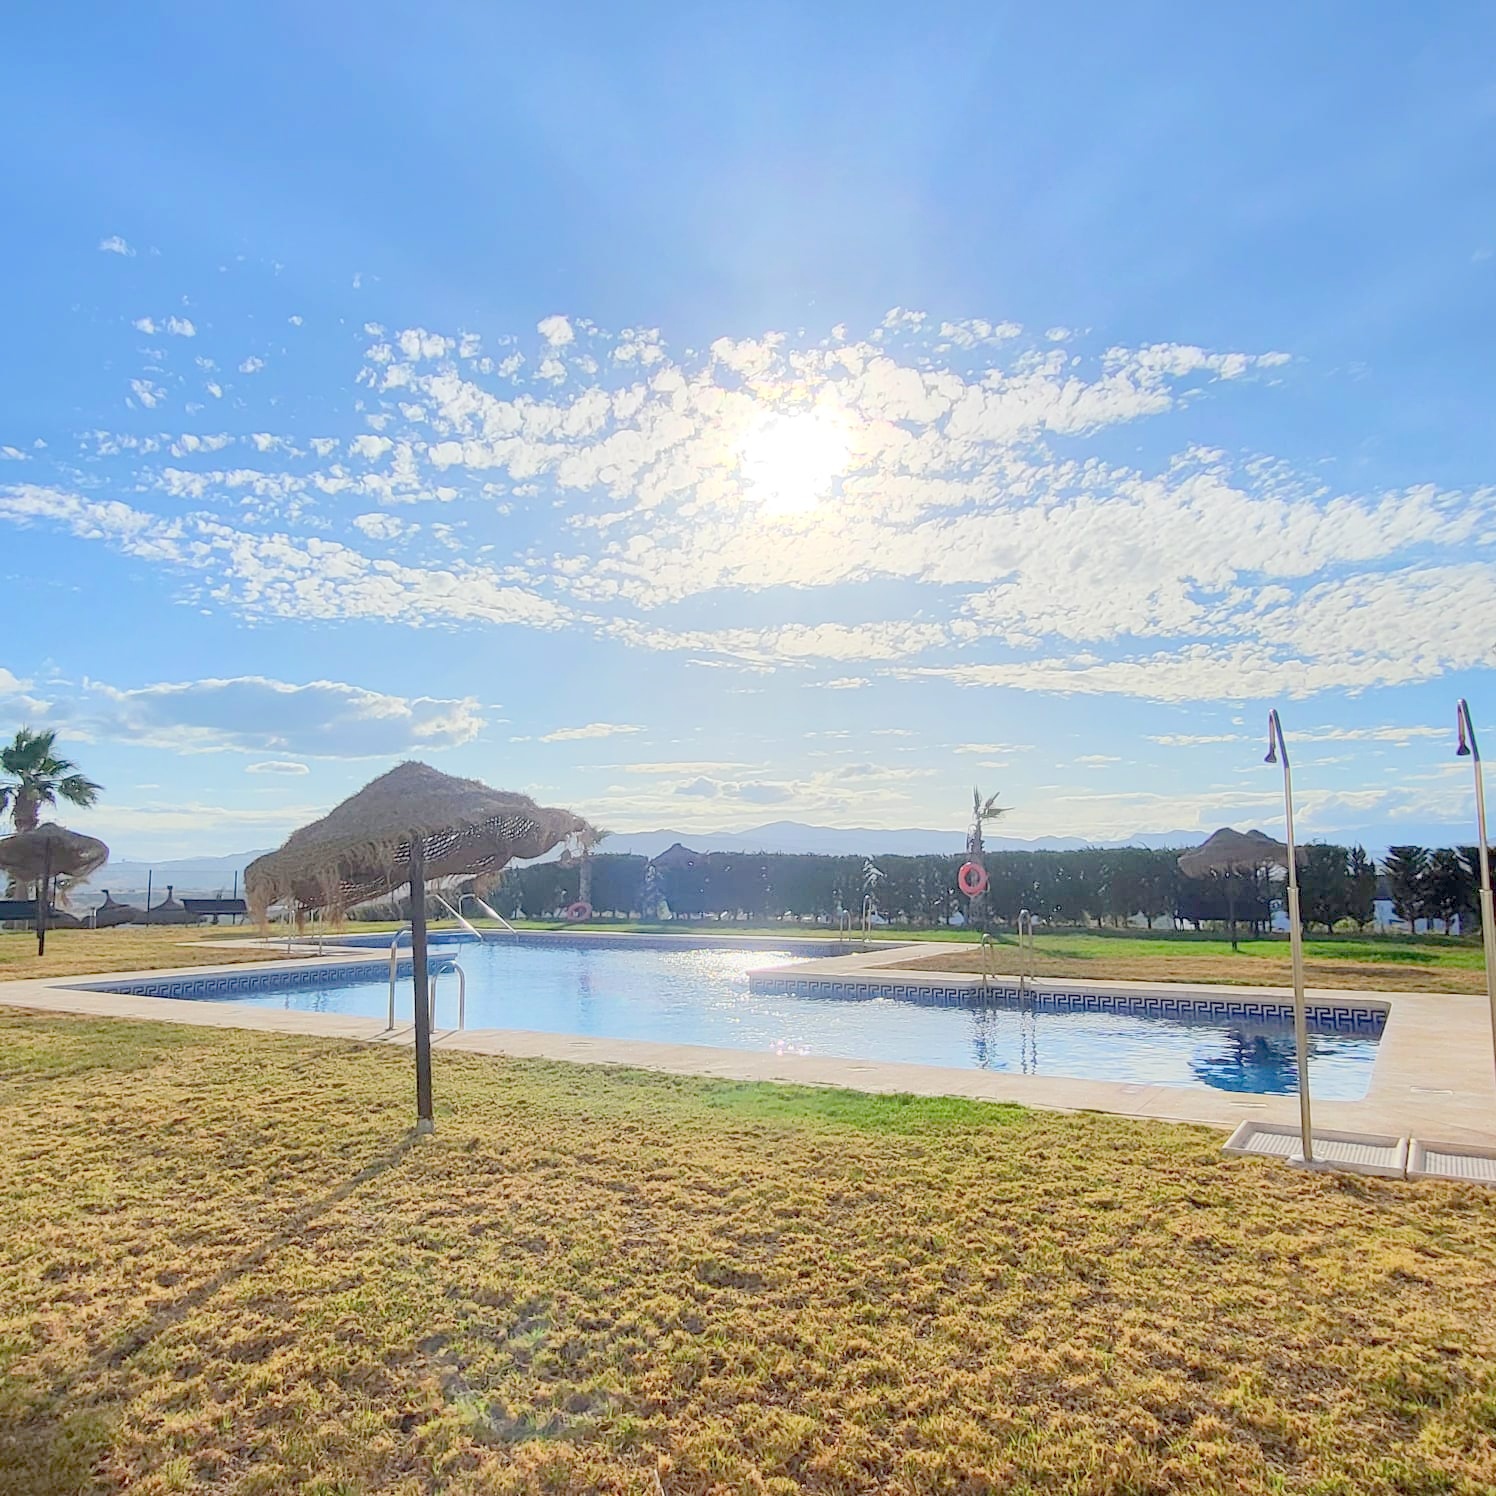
x,y
676,856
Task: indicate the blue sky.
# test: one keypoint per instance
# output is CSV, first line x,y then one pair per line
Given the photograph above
x,y
712,415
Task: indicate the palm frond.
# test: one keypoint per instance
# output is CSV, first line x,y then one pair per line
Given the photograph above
x,y
77,790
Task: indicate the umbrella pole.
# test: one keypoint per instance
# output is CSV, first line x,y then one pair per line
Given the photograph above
x,y
422,983
43,889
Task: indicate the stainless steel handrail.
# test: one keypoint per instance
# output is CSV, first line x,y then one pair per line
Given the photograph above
x,y
437,970
1026,957
489,910
472,930
394,967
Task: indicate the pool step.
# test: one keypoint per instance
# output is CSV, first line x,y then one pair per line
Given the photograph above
x,y
1459,1161
1354,1152
1368,1153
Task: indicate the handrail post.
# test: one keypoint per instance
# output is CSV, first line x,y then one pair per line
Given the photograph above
x,y
394,967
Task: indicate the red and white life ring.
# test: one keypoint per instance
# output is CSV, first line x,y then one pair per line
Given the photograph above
x,y
579,911
972,879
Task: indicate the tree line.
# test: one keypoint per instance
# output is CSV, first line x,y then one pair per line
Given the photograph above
x,y
1093,886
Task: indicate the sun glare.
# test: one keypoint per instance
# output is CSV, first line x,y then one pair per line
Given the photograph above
x,y
790,462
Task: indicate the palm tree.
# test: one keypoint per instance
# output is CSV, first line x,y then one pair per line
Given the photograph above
x,y
588,841
982,811
31,776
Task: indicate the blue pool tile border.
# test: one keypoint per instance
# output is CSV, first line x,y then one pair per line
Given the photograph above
x,y
1332,1017
258,979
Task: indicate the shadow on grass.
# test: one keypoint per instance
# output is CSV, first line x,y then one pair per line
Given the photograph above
x,y
51,1446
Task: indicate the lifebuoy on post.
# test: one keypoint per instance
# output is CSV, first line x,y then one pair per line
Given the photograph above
x,y
579,911
972,879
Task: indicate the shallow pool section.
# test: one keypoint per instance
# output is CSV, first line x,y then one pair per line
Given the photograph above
x,y
702,995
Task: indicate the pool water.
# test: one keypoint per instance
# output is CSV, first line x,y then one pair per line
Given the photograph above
x,y
701,996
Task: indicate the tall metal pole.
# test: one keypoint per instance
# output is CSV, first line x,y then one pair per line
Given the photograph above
x,y
1276,749
1469,748
421,982
43,898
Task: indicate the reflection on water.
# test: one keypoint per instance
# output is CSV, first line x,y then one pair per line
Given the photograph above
x,y
1266,1064
702,997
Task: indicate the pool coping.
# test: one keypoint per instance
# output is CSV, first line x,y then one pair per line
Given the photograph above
x,y
1433,1076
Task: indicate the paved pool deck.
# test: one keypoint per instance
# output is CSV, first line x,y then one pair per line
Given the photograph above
x,y
1434,1075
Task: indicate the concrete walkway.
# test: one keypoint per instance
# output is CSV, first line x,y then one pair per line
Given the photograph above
x,y
1434,1076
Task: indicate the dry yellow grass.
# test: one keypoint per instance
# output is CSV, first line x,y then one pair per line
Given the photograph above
x,y
224,1267
1374,964
127,948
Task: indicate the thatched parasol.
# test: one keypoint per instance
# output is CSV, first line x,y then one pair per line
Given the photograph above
x,y
361,849
409,825
170,911
111,912
45,853
1225,853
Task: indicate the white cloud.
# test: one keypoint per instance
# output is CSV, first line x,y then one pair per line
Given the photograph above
x,y
1196,739
144,324
843,683
115,245
591,730
296,319
280,575
252,365
965,513
277,766
381,526
257,714
181,327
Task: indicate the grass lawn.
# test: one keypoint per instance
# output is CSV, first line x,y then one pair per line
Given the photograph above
x,y
125,948
1385,963
224,1266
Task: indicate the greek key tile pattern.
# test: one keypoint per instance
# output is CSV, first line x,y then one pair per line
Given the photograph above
x,y
1340,1018
226,986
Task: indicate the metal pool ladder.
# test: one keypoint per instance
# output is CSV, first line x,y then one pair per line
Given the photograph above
x,y
434,972
472,930
988,954
489,910
1026,959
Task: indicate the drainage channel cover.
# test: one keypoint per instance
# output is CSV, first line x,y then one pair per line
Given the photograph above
x,y
1468,1165
1357,1152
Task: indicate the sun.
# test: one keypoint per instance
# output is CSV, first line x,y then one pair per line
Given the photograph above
x,y
790,461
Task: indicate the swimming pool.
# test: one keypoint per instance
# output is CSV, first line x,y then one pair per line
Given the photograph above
x,y
701,994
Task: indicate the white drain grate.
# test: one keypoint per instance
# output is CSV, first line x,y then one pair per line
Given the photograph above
x,y
1357,1152
1468,1165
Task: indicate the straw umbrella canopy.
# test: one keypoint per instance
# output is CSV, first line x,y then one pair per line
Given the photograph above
x,y
1227,852
409,825
361,849
46,852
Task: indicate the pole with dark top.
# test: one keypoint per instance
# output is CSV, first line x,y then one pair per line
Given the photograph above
x,y
421,983
1469,748
1276,749
43,898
